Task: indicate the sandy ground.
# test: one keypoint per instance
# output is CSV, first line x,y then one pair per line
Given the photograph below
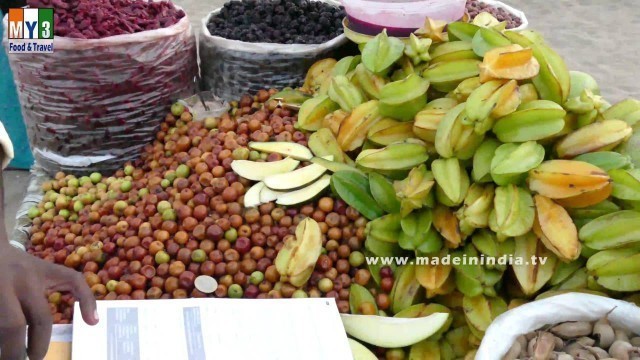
x,y
596,36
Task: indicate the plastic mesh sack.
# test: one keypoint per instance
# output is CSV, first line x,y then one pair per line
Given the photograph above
x,y
91,105
232,68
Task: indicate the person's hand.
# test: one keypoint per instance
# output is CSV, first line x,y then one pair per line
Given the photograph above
x,y
24,280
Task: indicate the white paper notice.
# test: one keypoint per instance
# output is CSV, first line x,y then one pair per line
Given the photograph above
x,y
205,329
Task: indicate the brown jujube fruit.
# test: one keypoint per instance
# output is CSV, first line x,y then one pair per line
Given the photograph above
x,y
134,267
362,277
383,301
180,294
216,256
184,256
194,268
172,248
343,306
90,267
123,288
207,245
154,293
207,268
138,295
148,271
386,284
162,270
221,291
115,272
92,279
195,293
251,292
324,263
240,278
214,232
181,237
342,266
158,282
192,245
226,280
176,268
271,274
99,290
155,246
186,280
171,284
220,269
232,267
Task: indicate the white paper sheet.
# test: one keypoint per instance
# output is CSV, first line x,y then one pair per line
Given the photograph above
x,y
199,329
62,333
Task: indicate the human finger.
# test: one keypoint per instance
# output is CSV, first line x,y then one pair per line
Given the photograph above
x,y
12,329
39,321
70,280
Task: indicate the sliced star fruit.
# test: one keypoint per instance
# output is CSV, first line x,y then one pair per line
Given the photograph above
x,y
509,62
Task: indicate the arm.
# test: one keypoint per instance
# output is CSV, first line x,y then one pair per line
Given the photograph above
x,y
24,279
3,230
6,155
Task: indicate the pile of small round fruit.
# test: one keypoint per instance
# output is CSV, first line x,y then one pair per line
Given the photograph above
x,y
150,230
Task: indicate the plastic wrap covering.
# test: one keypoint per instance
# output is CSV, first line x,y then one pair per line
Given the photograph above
x,y
20,235
231,68
205,104
201,105
91,105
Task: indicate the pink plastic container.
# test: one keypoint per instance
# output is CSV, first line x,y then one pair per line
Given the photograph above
x,y
399,17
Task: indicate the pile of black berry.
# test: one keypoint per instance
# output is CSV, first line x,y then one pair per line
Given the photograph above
x,y
475,7
278,21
